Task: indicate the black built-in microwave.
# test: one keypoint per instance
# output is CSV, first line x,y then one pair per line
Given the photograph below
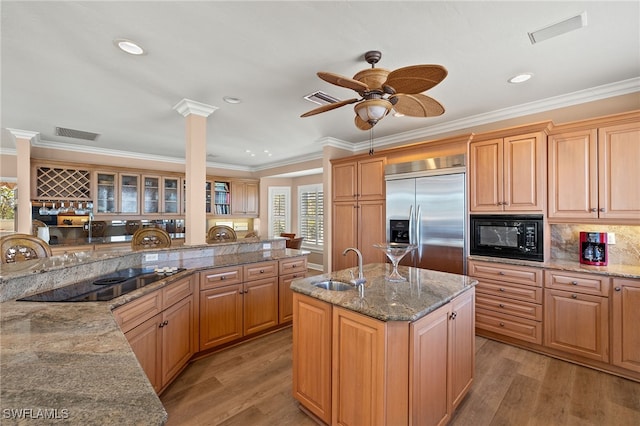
x,y
509,236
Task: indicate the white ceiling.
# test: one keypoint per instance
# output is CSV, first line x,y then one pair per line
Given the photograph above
x,y
60,68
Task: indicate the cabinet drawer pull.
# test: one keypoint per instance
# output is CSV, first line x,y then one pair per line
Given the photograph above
x,y
574,282
501,324
574,296
500,273
501,289
501,305
262,271
222,278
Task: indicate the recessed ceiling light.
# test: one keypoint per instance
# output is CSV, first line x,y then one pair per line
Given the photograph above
x,y
231,100
520,78
128,46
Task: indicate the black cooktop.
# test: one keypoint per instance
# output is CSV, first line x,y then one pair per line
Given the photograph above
x,y
102,288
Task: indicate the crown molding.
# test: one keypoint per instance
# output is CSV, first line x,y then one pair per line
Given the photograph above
x,y
575,98
8,151
187,107
105,151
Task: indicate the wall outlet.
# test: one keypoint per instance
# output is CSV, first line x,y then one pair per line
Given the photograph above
x,y
151,257
611,238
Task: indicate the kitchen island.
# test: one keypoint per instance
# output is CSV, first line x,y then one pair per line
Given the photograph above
x,y
71,362
399,353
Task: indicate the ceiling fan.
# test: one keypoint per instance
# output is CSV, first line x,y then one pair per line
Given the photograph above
x,y
381,90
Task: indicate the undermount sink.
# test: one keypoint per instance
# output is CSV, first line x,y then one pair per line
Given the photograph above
x,y
334,285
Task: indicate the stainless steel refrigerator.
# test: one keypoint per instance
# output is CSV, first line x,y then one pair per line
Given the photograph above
x,y
426,207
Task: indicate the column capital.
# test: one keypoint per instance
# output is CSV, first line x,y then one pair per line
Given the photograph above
x,y
23,134
186,107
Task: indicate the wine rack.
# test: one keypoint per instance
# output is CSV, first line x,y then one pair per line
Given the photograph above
x,y
63,184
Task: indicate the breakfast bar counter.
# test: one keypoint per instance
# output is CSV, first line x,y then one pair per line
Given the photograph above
x,y
70,362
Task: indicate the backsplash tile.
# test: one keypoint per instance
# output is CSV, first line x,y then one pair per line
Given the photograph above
x,y
565,241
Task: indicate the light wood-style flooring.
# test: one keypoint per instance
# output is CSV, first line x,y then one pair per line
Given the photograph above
x,y
250,384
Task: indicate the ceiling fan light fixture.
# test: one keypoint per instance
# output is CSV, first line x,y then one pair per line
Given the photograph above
x,y
373,110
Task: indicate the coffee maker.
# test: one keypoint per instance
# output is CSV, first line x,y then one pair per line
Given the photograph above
x,y
593,248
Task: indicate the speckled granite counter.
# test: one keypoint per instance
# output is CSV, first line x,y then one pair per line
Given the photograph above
x,y
70,362
424,291
621,271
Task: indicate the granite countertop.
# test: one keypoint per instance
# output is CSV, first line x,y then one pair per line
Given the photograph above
x,y
615,271
422,293
71,362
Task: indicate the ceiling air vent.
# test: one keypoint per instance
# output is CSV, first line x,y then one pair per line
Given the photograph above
x,y
559,28
321,98
77,134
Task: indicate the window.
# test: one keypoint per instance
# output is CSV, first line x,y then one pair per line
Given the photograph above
x,y
279,209
311,215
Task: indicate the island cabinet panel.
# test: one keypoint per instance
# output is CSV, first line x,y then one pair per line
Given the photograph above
x,y
625,327
220,315
161,329
358,375
312,355
441,359
260,305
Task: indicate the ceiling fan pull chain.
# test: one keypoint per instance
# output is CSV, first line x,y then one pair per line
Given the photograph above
x,y
371,141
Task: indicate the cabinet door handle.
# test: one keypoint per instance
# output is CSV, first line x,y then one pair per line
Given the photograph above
x,y
617,288
501,289
593,210
501,324
453,315
574,282
501,305
574,296
500,273
601,209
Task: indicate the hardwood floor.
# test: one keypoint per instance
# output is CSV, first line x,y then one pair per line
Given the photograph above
x,y
250,384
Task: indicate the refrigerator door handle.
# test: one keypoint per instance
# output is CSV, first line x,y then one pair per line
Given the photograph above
x,y
418,231
412,236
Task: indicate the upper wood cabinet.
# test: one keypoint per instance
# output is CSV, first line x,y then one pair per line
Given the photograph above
x,y
359,180
508,173
244,198
594,173
117,193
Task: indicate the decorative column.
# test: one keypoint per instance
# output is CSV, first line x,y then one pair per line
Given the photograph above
x,y
23,150
196,114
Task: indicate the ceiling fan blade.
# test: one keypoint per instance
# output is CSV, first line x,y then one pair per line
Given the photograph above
x,y
361,124
417,105
416,78
342,81
329,107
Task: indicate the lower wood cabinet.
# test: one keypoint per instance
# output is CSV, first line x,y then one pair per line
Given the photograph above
x,y
162,330
289,270
577,321
352,369
625,327
236,302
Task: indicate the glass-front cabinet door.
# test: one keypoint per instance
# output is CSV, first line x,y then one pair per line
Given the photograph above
x,y
171,195
106,197
222,198
207,191
129,187
151,195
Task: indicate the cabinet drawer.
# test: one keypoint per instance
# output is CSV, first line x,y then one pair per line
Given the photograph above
x,y
510,273
512,291
220,277
256,271
290,266
177,291
576,282
521,309
509,325
135,313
